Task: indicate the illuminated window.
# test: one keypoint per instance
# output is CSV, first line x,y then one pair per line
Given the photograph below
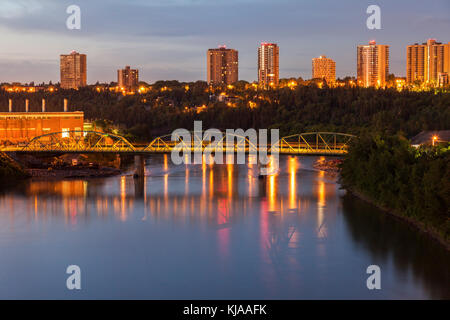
x,y
65,133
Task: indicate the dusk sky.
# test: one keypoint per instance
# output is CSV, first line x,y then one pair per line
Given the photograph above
x,y
168,39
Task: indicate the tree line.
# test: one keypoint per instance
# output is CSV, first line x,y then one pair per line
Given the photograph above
x,y
169,105
414,183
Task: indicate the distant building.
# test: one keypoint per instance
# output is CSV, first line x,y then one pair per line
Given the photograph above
x,y
324,68
268,64
430,137
16,127
443,79
128,78
222,66
372,64
428,61
73,70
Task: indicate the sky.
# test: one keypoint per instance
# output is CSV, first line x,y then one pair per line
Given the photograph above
x,y
168,39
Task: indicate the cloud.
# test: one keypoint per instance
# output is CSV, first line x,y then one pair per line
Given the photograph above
x,y
13,9
163,36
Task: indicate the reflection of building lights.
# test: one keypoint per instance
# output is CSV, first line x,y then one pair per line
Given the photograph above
x,y
292,168
166,165
211,184
123,194
321,203
166,188
230,179
272,193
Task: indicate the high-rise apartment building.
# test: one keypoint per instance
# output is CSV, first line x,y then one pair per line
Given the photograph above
x,y
268,64
373,64
427,62
128,78
222,66
73,70
324,68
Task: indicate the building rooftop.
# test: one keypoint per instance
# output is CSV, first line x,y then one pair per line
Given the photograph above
x,y
426,137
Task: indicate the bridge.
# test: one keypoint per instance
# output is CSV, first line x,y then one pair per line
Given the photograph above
x,y
314,143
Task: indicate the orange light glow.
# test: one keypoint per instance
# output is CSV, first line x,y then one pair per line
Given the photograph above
x,y
292,168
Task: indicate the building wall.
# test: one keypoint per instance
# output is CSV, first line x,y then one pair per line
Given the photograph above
x,y
222,66
73,70
19,127
268,64
324,68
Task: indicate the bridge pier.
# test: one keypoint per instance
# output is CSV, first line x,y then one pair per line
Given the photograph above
x,y
139,187
139,164
261,167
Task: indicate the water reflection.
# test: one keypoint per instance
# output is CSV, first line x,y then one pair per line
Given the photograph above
x,y
284,235
414,255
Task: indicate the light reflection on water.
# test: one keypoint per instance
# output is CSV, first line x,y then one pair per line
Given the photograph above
x,y
209,231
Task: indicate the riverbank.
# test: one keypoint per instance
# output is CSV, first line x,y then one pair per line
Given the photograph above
x,y
333,167
10,169
73,172
330,166
422,227
410,183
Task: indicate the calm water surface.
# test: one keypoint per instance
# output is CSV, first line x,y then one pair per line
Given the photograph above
x,y
210,232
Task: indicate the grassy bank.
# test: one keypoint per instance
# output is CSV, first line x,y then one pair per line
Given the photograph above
x,y
413,184
10,169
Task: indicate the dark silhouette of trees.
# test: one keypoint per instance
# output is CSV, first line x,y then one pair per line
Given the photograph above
x,y
171,104
412,182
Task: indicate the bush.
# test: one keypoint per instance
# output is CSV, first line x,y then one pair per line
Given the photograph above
x,y
9,169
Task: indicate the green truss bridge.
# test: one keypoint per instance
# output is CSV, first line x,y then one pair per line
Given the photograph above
x,y
314,143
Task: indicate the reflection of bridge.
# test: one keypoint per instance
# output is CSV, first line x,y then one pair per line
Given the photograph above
x,y
316,143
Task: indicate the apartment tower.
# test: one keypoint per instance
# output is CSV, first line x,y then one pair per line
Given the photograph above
x,y
324,68
373,64
222,66
427,62
128,78
73,70
268,64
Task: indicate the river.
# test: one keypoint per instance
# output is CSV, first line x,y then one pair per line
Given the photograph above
x,y
210,232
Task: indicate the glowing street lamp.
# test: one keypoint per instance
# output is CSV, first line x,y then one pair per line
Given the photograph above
x,y
435,138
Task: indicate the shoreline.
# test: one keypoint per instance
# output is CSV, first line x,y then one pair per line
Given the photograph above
x,y
418,225
73,173
330,166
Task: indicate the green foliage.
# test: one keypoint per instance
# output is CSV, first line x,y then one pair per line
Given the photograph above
x,y
169,105
9,169
412,182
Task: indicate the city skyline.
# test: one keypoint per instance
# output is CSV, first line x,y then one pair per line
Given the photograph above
x,y
223,69
163,32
